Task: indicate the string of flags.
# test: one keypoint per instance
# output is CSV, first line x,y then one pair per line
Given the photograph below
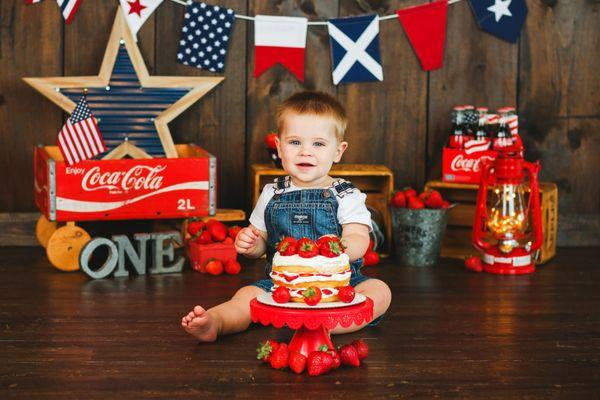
x,y
354,41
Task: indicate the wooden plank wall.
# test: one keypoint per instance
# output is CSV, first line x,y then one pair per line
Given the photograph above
x,y
551,75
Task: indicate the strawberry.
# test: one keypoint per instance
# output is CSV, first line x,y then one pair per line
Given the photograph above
x,y
233,231
414,203
281,295
297,362
232,267
370,258
307,248
473,263
270,140
288,246
346,294
371,245
228,240
361,348
445,204
218,231
312,295
214,267
265,350
349,355
433,199
336,358
319,362
204,238
410,192
194,227
279,357
398,199
331,247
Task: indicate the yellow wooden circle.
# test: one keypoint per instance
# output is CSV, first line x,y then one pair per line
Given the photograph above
x,y
44,229
64,247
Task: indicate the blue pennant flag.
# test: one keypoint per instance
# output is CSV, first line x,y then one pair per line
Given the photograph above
x,y
501,18
355,55
205,36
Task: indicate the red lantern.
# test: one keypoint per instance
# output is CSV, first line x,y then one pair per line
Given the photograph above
x,y
506,214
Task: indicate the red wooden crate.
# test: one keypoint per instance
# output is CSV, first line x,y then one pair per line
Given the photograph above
x,y
127,188
200,254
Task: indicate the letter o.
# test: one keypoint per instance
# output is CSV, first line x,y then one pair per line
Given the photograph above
x,y
109,265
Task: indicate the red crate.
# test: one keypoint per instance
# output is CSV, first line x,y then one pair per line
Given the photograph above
x,y
127,188
200,254
464,166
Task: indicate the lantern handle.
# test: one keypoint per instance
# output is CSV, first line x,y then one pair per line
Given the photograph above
x,y
534,203
481,209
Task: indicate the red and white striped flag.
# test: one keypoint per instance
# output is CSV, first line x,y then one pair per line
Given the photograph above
x,y
80,139
279,40
68,8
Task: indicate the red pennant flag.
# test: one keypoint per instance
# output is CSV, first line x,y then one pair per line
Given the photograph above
x,y
279,40
425,27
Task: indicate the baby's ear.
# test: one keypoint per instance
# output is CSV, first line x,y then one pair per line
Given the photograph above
x,y
340,150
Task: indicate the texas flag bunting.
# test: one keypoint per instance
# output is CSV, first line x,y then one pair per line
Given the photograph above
x,y
137,12
425,26
279,40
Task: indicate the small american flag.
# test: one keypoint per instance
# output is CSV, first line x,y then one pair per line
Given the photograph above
x,y
80,138
69,8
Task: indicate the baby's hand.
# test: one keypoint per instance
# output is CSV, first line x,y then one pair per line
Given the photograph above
x,y
245,241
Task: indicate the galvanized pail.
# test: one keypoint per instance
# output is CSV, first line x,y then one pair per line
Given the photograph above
x,y
418,235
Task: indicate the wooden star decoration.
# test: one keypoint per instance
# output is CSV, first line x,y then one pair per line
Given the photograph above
x,y
128,102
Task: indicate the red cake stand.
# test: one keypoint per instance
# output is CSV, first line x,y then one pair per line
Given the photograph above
x,y
312,325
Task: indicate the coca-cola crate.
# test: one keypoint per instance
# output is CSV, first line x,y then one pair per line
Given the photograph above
x,y
200,254
156,188
458,242
464,165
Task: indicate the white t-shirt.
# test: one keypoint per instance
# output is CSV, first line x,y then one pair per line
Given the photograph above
x,y
351,207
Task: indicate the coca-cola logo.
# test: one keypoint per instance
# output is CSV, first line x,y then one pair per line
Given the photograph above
x,y
460,163
140,177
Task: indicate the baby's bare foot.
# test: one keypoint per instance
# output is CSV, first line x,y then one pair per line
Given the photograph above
x,y
200,324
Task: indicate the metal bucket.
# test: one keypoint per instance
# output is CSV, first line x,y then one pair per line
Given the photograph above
x,y
418,235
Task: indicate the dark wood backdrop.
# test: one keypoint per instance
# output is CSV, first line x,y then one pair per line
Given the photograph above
x,y
551,75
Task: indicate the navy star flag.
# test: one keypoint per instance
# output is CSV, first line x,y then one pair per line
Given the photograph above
x,y
80,139
205,36
501,18
355,55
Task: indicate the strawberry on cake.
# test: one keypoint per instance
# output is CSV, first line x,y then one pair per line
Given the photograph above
x,y
303,264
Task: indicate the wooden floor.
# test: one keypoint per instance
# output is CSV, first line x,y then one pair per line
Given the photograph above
x,y
449,333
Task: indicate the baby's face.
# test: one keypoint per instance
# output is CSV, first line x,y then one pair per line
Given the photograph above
x,y
308,147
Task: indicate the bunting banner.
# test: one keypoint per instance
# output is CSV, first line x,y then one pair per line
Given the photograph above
x,y
279,40
425,27
355,55
501,18
68,8
137,12
354,41
205,36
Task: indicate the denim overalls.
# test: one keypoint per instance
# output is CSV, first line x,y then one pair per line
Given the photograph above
x,y
309,213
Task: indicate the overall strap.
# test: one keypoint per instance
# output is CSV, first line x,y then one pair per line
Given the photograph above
x,y
341,187
281,184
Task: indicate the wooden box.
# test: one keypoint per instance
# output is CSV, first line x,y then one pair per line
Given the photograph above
x,y
376,181
458,239
154,188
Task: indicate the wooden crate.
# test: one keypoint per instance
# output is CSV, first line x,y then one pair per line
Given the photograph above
x,y
458,240
376,181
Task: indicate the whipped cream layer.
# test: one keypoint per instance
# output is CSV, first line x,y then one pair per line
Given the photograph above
x,y
320,263
297,293
292,278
